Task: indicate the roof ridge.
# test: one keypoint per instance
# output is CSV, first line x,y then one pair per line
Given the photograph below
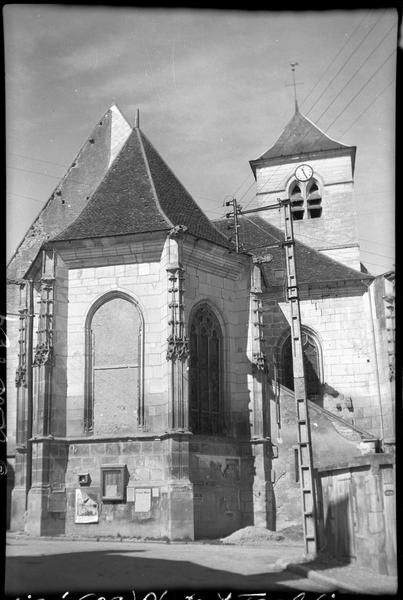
x,y
139,133
322,132
114,105
172,174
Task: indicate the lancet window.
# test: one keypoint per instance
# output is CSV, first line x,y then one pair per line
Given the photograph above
x,y
312,364
206,348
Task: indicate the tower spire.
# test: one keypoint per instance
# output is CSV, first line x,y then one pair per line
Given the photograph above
x,y
293,65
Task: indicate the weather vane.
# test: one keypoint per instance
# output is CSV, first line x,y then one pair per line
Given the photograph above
x,y
294,84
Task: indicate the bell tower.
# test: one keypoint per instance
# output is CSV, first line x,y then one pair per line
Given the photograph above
x,y
317,174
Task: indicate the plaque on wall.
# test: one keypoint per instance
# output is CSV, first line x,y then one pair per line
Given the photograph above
x,y
86,509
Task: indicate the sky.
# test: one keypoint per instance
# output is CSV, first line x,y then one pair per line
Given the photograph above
x,y
213,89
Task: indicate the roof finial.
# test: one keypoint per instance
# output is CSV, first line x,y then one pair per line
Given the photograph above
x,y
293,65
137,118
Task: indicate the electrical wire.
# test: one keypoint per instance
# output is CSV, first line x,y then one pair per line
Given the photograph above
x,y
27,197
346,61
50,162
336,56
376,254
367,107
361,89
377,243
355,72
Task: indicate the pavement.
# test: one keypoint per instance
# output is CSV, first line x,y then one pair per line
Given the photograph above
x,y
61,565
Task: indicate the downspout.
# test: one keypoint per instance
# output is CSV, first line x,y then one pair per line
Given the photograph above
x,y
30,339
371,310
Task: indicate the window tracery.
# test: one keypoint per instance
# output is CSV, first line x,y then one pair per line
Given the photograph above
x,y
205,372
306,200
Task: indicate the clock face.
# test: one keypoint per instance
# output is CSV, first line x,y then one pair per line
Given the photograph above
x,y
303,172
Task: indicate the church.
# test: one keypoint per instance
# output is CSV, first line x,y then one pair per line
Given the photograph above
x,y
150,370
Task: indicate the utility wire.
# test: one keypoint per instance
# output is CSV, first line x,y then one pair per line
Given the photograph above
x,y
38,173
377,243
368,106
347,60
355,72
376,254
335,57
361,88
50,162
27,197
244,181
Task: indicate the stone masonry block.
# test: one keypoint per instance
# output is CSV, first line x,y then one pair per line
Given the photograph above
x,y
375,522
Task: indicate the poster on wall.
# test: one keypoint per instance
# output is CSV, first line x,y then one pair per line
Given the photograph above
x,y
86,508
143,500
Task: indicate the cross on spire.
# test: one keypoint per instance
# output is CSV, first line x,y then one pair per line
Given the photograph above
x,y
294,84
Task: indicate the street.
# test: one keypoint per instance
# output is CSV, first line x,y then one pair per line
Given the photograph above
x,y
58,566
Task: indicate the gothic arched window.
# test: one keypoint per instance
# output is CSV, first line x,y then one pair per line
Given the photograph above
x,y
206,414
312,364
113,364
306,200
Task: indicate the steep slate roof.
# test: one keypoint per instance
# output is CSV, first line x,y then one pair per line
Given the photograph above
x,y
71,193
140,194
301,136
313,267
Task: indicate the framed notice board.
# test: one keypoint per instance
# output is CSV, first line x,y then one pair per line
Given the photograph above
x,y
113,485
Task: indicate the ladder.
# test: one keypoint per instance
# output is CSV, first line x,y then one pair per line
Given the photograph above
x,y
303,425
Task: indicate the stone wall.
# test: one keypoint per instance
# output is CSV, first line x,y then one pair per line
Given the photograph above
x,y
225,287
338,224
330,438
382,308
145,283
342,325
158,466
221,471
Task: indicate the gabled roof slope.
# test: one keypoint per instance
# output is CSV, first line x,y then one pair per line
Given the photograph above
x,y
175,200
313,267
140,194
72,192
301,136
123,202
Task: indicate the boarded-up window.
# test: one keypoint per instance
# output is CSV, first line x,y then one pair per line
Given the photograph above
x,y
113,366
205,373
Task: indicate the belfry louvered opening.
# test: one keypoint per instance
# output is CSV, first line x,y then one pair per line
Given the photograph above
x,y
314,201
306,200
297,203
